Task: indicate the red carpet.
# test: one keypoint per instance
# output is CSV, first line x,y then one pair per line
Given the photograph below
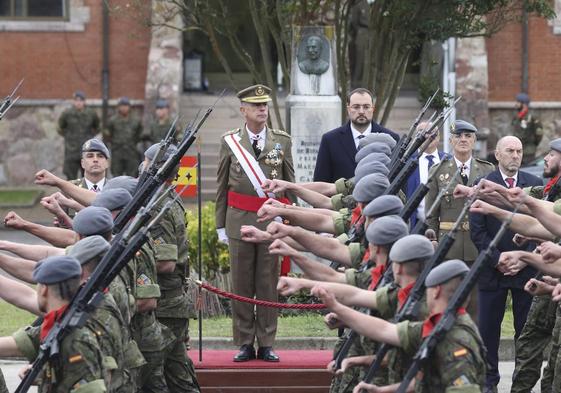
x,y
222,359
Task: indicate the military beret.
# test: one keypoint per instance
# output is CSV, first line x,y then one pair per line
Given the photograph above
x,y
92,220
446,271
378,157
377,137
460,126
113,199
129,183
124,101
555,145
386,230
161,103
384,205
88,248
411,247
151,152
79,94
370,187
372,148
53,270
96,145
255,94
523,98
369,168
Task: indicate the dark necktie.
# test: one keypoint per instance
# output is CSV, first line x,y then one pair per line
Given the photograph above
x,y
361,136
95,188
255,146
510,182
463,174
430,158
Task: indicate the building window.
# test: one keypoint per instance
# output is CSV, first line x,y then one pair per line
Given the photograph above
x,y
33,9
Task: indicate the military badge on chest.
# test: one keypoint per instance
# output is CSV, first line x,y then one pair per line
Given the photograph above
x,y
274,160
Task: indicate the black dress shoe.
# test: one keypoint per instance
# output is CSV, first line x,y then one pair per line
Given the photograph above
x,y
247,352
267,354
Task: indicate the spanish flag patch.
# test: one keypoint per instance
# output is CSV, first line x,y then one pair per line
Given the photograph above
x,y
75,358
460,352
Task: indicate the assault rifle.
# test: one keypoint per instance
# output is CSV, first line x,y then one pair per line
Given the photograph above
x,y
415,199
448,319
9,101
123,247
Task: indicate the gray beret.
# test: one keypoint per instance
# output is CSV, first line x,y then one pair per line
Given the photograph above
x,y
411,247
386,230
124,101
150,153
369,168
53,270
96,145
161,103
80,95
523,98
113,199
92,220
373,148
129,183
379,137
460,126
555,145
384,205
88,248
370,187
375,157
446,271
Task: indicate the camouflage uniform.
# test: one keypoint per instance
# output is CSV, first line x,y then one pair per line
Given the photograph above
x,y
124,132
80,368
3,387
529,130
76,127
174,307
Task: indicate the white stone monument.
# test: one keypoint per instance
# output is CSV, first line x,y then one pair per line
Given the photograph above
x,y
313,106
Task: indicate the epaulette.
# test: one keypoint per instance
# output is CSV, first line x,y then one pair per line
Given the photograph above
x,y
234,131
280,132
482,161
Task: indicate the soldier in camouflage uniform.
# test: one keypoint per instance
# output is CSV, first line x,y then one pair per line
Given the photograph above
x,y
527,128
76,125
3,387
124,131
174,307
159,126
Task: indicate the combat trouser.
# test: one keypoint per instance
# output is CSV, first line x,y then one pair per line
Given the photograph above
x,y
531,344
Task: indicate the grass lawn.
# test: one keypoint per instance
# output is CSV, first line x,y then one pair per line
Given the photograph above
x,y
12,318
14,198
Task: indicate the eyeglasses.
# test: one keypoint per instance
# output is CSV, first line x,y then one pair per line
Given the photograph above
x,y
365,107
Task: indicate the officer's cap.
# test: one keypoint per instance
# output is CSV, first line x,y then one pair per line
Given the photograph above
x,y
386,230
384,205
92,220
162,103
96,145
377,137
113,199
53,270
460,126
372,148
411,247
370,187
124,101
555,145
89,248
255,94
369,168
79,94
445,272
378,157
129,183
151,152
523,98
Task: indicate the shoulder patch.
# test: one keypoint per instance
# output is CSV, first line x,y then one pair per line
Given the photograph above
x,y
143,279
75,358
460,352
461,381
234,131
280,132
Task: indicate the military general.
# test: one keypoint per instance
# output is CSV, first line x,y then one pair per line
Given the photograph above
x,y
249,155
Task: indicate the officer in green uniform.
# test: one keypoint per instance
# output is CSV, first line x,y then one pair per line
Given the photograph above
x,y
527,128
458,362
172,264
76,125
254,269
124,131
80,365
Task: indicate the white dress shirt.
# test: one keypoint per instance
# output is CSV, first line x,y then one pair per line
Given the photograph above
x,y
357,133
99,184
515,177
424,176
260,137
467,164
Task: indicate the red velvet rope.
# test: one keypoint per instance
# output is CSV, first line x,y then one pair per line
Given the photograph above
x,y
264,303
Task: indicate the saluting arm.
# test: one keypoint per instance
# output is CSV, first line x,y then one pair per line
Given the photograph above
x,y
19,294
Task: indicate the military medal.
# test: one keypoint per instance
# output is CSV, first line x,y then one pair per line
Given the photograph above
x,y
274,159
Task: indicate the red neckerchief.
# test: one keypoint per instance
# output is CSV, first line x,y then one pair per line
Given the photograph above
x,y
522,114
431,321
550,184
49,320
356,215
377,274
366,256
403,294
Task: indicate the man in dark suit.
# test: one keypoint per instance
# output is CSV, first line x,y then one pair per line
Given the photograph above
x,y
338,147
430,157
493,285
